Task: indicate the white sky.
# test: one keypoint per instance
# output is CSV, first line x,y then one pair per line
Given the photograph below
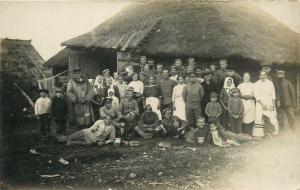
x,y
50,23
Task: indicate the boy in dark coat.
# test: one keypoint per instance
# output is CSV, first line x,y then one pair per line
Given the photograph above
x,y
236,111
59,111
213,109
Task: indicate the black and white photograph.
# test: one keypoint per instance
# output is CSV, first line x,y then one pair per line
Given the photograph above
x,y
150,94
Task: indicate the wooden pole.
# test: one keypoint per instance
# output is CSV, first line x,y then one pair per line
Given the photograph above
x,y
298,91
25,95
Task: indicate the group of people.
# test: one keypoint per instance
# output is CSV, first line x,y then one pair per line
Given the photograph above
x,y
206,106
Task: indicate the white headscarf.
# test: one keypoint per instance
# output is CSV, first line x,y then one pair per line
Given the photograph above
x,y
226,87
96,83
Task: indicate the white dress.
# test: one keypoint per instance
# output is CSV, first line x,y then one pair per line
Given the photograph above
x,y
179,102
264,92
247,88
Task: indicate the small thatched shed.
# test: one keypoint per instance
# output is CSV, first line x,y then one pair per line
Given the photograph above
x,y
20,68
208,31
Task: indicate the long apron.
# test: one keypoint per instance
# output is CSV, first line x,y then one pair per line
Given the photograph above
x,y
153,101
259,123
180,108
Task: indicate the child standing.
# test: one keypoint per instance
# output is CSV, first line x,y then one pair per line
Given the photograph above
x,y
236,111
42,112
115,100
59,111
213,109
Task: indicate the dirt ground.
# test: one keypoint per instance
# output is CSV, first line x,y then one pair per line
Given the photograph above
x,y
147,166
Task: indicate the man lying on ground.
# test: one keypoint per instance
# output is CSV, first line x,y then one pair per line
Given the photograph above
x,y
100,131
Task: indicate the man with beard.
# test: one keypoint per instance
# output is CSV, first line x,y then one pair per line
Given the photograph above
x,y
80,92
285,101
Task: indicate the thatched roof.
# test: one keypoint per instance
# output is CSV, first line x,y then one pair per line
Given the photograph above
x,y
60,59
195,28
21,60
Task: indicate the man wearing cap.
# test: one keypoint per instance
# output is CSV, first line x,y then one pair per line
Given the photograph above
x,y
286,101
108,109
171,125
147,123
42,112
166,86
128,105
213,67
208,87
189,70
192,95
267,68
80,92
220,75
129,110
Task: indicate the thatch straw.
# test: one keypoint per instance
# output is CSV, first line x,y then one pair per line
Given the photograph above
x,y
195,28
21,60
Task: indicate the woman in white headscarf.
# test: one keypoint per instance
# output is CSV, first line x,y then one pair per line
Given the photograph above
x,y
247,95
225,94
266,116
98,82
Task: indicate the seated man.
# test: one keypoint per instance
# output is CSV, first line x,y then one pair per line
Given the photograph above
x,y
129,110
199,134
172,125
147,123
117,119
99,132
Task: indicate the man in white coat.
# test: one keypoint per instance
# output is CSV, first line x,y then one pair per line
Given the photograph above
x,y
266,117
